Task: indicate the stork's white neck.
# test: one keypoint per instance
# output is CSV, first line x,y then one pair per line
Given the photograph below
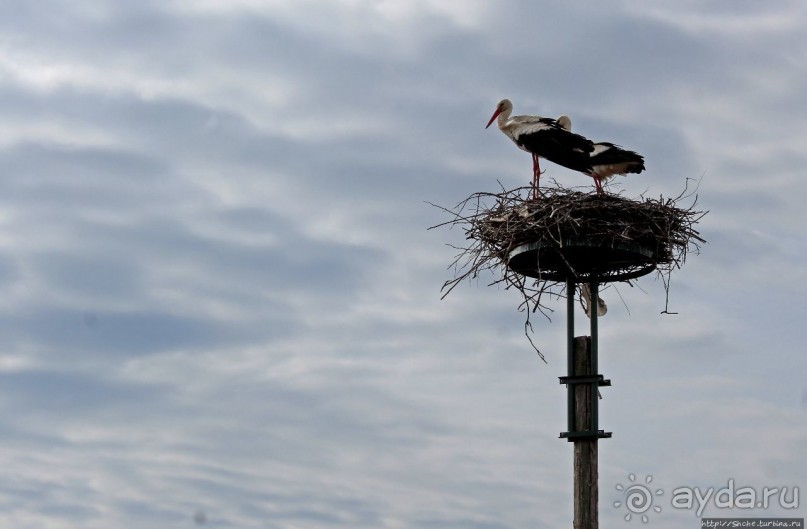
x,y
504,115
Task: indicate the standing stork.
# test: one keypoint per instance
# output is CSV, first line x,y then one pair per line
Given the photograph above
x,y
554,140
608,159
541,137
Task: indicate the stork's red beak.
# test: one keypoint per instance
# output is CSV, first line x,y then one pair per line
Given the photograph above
x,y
494,116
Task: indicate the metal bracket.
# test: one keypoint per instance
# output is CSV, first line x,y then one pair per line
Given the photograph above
x,y
600,380
586,434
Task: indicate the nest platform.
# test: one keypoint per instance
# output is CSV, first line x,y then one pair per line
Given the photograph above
x,y
585,236
536,244
582,259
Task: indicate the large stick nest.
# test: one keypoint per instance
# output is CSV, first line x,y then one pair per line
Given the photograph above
x,y
498,225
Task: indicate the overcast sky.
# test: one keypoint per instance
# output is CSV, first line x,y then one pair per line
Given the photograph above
x,y
220,301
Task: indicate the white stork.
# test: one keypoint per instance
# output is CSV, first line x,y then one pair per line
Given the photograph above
x,y
608,159
541,137
553,139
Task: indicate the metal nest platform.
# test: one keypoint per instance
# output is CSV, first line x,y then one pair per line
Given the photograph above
x,y
582,258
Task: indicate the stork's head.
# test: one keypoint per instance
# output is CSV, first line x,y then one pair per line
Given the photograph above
x,y
504,107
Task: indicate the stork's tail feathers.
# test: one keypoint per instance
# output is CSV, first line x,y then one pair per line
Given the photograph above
x,y
608,160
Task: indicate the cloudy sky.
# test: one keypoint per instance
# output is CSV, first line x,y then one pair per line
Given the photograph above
x,y
220,301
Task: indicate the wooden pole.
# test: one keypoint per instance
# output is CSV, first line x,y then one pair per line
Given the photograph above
x,y
586,493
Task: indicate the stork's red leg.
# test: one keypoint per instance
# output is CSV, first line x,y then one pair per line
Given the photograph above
x,y
598,185
536,175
